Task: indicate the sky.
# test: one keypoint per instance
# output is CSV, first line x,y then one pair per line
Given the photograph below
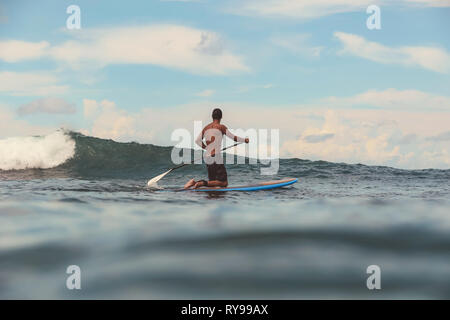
x,y
138,70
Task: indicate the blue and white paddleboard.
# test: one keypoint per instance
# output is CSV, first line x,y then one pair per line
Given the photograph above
x,y
260,186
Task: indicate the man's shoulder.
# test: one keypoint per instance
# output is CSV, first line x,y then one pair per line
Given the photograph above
x,y
223,128
213,125
208,126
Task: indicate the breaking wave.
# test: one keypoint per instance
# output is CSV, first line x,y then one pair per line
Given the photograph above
x,y
38,152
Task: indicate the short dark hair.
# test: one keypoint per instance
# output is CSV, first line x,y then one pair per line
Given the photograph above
x,y
217,114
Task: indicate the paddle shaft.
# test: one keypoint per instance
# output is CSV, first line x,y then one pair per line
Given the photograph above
x,y
185,164
157,178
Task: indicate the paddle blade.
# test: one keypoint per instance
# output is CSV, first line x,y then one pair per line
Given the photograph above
x,y
153,182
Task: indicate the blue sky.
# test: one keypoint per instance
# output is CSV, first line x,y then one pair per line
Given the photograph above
x,y
313,67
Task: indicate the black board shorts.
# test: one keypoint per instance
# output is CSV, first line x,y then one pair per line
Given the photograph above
x,y
217,172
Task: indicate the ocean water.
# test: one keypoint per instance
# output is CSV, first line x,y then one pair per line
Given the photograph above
x,y
67,199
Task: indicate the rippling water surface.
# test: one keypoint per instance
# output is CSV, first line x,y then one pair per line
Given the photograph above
x,y
312,240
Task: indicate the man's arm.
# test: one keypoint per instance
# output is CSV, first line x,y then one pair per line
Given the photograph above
x,y
199,141
234,137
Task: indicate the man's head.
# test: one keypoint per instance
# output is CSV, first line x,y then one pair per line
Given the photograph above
x,y
217,114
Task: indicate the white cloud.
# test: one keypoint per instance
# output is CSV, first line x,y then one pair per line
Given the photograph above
x,y
430,58
12,126
371,137
47,105
13,50
391,99
297,44
349,140
172,46
30,84
243,89
309,9
206,93
430,3
149,125
90,107
445,136
316,138
303,9
109,122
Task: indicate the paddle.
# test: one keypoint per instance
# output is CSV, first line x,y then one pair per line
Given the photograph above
x,y
153,181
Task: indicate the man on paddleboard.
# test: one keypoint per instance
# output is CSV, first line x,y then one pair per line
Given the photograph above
x,y
212,134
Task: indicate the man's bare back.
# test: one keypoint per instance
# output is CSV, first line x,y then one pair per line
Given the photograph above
x,y
210,139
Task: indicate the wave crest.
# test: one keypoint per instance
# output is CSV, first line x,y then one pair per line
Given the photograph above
x,y
39,152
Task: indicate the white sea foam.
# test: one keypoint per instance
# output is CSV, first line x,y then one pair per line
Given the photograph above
x,y
41,152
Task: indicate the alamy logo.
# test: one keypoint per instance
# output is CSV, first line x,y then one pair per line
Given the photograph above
x,y
374,21
74,20
74,280
374,280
